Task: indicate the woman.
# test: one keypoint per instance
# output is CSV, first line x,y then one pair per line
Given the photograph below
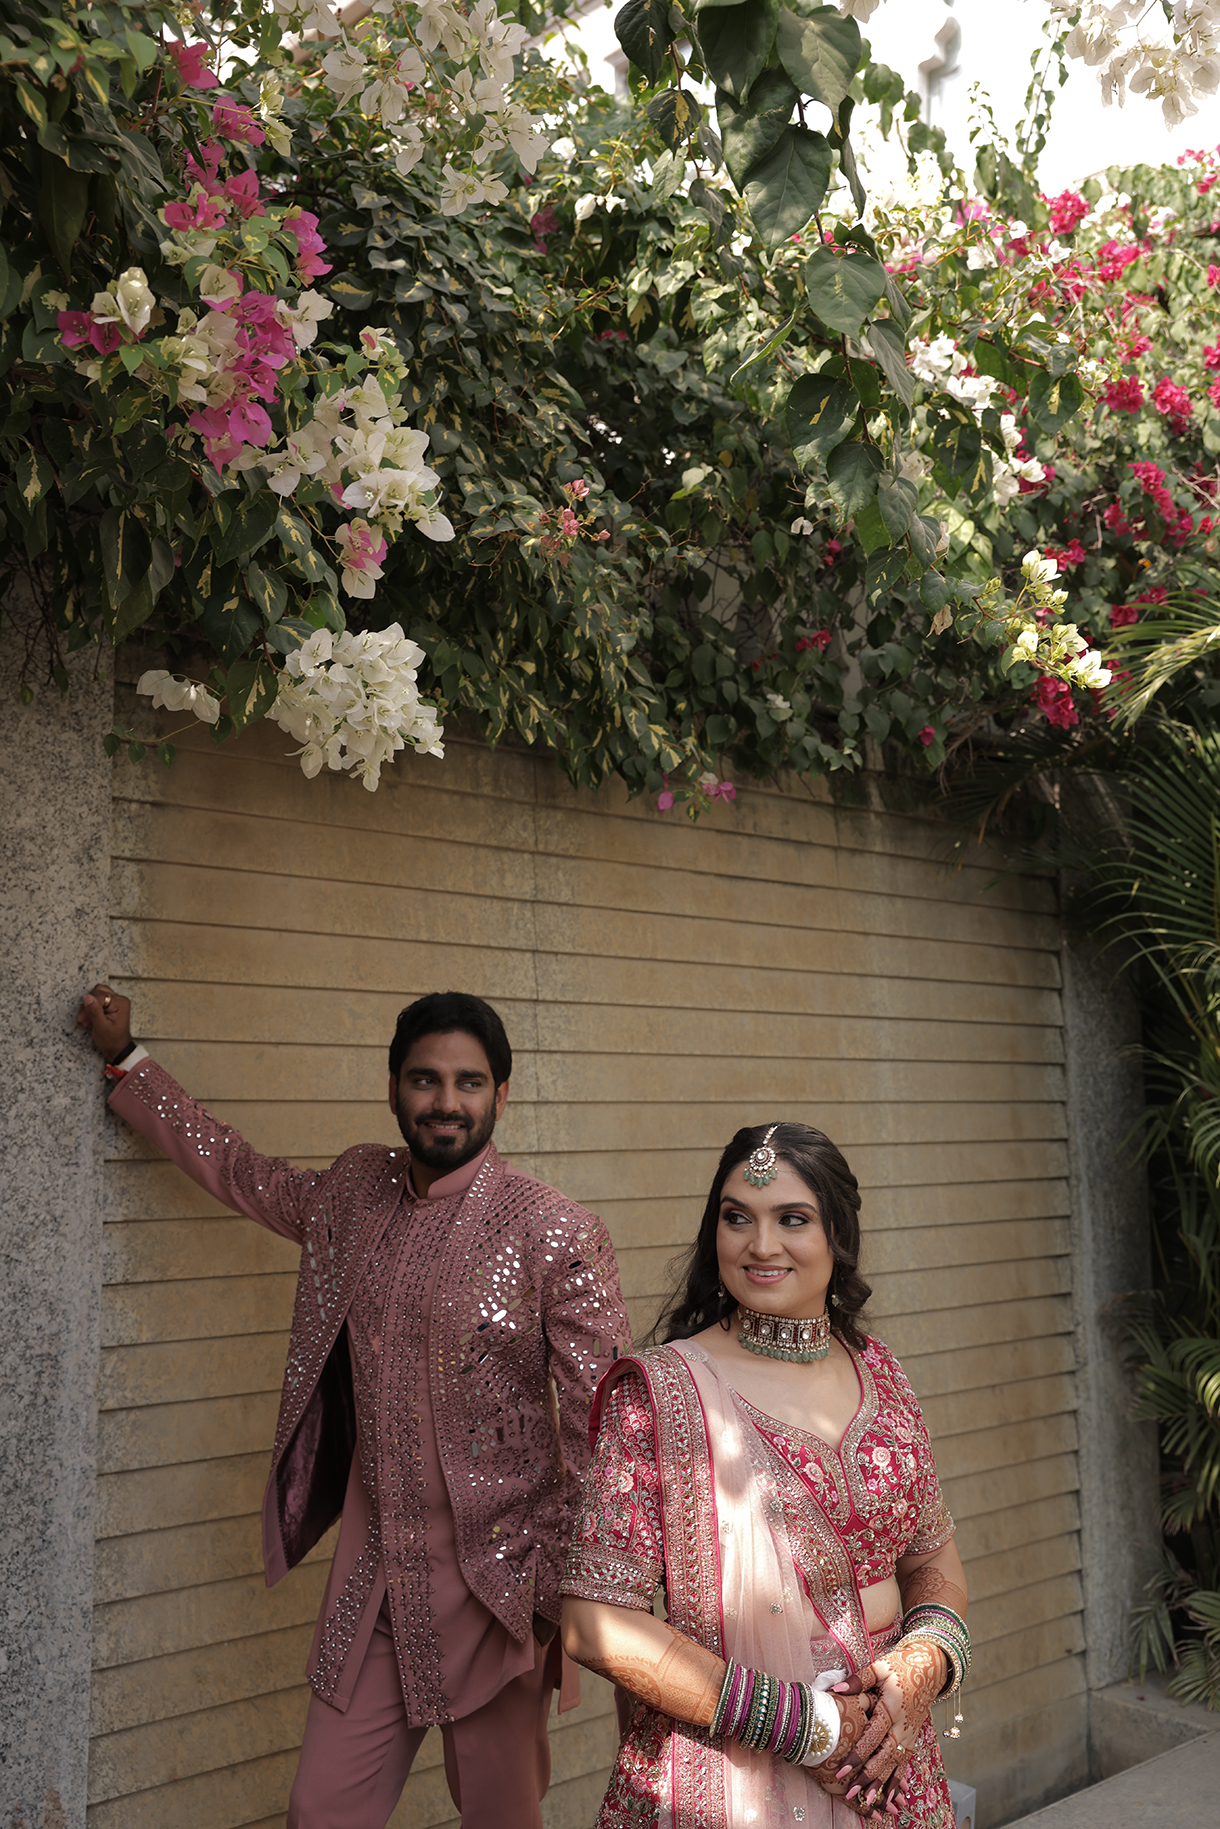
x,y
770,1467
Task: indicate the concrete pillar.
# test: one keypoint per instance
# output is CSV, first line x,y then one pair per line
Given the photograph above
x,y
1111,1256
54,874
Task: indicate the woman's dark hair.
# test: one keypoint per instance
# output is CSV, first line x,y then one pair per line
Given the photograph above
x,y
698,1300
447,1013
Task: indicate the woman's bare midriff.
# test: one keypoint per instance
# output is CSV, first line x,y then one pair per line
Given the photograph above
x,y
882,1604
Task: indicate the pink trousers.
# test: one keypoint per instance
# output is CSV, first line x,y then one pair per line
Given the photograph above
x,y
354,1765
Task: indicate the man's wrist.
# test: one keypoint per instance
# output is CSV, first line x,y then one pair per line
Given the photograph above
x,y
124,1061
116,1060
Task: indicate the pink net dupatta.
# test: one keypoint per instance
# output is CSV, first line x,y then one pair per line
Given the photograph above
x,y
776,1550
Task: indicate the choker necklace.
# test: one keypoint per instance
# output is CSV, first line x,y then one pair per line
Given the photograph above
x,y
782,1337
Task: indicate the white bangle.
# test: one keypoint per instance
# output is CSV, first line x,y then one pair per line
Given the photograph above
x,y
826,1711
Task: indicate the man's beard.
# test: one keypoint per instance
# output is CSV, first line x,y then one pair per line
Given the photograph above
x,y
447,1153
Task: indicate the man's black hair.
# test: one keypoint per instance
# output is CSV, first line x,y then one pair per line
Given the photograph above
x,y
447,1013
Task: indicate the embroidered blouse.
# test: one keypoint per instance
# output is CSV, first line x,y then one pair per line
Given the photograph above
x,y
879,1487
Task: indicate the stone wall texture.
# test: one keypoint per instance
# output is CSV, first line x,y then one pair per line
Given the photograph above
x,y
54,895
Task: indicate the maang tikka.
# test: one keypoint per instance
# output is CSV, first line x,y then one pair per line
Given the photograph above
x,y
760,1170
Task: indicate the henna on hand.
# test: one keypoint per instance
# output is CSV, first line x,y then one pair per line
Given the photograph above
x,y
854,1712
931,1583
673,1674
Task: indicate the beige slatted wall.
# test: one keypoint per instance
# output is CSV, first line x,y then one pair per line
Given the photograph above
x,y
662,983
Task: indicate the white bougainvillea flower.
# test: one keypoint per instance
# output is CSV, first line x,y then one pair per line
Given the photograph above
x,y
801,525
352,702
1037,568
344,71
310,310
176,694
778,707
128,301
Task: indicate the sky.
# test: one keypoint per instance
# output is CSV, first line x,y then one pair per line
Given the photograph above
x,y
995,41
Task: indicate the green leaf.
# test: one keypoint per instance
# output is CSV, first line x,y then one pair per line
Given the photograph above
x,y
1053,400
897,500
769,347
820,414
136,608
229,624
253,523
852,472
735,41
642,28
882,572
250,687
268,591
886,345
924,534
161,566
676,115
289,634
784,188
63,198
820,52
294,537
749,130
350,291
126,556
35,476
843,288
871,530
933,591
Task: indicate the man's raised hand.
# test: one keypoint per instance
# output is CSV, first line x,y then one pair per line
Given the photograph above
x,y
107,1016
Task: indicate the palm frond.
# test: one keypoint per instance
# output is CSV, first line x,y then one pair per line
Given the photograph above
x,y
1157,649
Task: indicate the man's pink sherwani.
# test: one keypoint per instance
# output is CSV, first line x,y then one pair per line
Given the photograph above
x,y
500,1303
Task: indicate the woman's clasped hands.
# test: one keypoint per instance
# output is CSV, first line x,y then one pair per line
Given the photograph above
x,y
885,1706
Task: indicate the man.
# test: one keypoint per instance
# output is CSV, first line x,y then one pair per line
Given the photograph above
x,y
452,1319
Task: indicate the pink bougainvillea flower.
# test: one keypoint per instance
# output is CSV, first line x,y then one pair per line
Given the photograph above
x,y
1213,393
1173,401
927,735
664,801
1054,700
235,122
1211,355
1156,593
1115,519
544,222
820,639
193,72
1068,210
304,226
242,192
1125,395
568,524
1122,615
1112,260
199,211
207,174
579,488
74,327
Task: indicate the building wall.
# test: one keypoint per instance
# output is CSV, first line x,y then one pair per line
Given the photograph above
x,y
662,983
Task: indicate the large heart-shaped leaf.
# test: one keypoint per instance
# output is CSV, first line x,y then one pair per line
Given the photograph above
x,y
820,50
1054,400
784,188
749,130
642,28
852,472
820,412
736,41
843,288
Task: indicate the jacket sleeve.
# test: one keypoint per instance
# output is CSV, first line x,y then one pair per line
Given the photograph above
x,y
586,1328
264,1188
